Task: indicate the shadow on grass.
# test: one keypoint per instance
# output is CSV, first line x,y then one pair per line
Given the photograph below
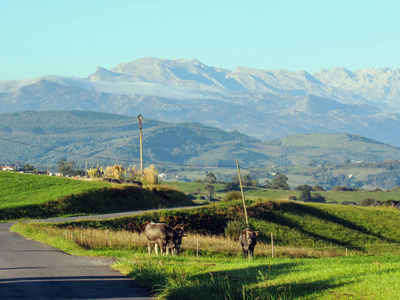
x,y
254,282
302,210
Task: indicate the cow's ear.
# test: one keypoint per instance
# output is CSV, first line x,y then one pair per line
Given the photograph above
x,y
255,233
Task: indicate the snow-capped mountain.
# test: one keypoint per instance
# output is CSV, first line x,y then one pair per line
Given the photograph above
x,y
262,103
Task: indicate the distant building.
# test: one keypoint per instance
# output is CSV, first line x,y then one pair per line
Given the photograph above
x,y
10,168
162,176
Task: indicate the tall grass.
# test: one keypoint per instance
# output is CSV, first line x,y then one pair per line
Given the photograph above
x,y
218,271
192,245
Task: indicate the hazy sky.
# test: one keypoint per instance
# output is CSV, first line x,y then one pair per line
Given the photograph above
x,y
73,37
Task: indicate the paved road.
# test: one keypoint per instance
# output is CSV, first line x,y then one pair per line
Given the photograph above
x,y
32,270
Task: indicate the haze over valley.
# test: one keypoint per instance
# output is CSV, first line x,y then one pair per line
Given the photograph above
x,y
264,104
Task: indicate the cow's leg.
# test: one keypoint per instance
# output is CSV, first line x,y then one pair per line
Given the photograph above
x,y
156,248
244,252
162,248
148,247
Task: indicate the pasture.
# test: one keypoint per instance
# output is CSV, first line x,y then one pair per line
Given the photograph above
x,y
220,272
17,190
259,192
25,196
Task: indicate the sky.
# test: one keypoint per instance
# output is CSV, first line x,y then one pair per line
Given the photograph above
x,y
74,37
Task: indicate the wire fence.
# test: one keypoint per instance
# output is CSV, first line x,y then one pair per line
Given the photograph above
x,y
200,245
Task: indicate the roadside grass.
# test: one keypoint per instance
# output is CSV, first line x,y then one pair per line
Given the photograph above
x,y
326,227
215,275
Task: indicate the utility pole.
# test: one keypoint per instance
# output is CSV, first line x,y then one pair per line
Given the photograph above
x,y
241,188
140,118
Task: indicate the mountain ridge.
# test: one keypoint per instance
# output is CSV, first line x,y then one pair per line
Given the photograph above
x,y
266,104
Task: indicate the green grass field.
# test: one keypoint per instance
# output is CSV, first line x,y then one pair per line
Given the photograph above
x,y
252,193
33,196
217,276
18,190
311,242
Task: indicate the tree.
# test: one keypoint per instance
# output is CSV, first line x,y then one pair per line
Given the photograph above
x,y
246,180
65,167
279,182
210,178
303,187
312,163
305,195
318,188
29,168
231,186
210,189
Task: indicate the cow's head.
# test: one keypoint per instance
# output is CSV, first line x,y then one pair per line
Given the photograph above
x,y
250,235
176,238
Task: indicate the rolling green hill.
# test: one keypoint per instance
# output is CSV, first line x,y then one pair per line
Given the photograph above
x,y
32,196
43,138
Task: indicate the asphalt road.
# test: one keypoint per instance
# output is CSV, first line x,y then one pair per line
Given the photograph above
x,y
32,270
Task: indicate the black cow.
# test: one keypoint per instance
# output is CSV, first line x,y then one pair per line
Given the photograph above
x,y
165,237
248,240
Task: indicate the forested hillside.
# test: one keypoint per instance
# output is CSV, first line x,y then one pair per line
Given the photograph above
x,y
44,138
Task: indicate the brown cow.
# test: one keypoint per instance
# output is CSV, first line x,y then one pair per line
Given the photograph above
x,y
165,237
248,240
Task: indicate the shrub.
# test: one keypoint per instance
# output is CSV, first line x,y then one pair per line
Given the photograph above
x,y
231,186
115,172
348,203
293,198
150,175
303,187
233,195
367,202
318,198
305,195
234,228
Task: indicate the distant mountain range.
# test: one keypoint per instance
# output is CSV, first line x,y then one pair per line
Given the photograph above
x,y
264,104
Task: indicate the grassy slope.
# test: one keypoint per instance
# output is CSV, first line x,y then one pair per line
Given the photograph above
x,y
18,190
32,196
216,277
253,193
300,225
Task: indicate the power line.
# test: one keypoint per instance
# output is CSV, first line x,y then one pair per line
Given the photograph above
x,y
115,159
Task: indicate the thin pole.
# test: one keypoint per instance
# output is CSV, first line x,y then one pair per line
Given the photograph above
x,y
140,118
272,244
241,188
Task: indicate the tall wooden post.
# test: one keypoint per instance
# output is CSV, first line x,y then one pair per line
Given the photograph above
x,y
140,118
241,188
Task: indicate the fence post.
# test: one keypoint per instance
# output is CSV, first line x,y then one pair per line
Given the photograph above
x,y
272,244
346,251
197,247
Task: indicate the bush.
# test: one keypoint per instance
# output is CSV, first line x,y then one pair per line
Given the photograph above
x,y
368,202
292,198
231,186
348,203
233,195
318,198
234,229
305,195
